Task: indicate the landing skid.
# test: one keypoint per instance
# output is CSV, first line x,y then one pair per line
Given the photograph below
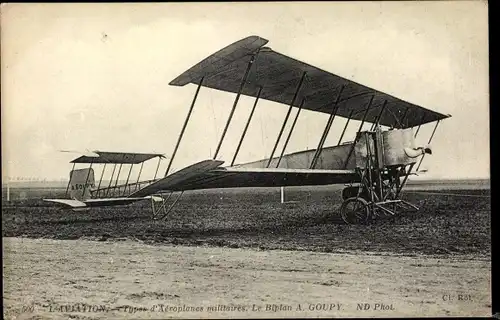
x,y
162,211
389,208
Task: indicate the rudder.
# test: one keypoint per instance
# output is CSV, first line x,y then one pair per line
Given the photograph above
x,y
81,181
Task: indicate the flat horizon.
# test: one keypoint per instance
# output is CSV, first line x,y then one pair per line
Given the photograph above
x,y
37,183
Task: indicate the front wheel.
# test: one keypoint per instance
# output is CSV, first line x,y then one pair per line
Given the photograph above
x,y
355,211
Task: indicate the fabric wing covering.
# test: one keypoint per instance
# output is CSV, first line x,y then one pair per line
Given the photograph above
x,y
116,157
209,174
279,76
239,177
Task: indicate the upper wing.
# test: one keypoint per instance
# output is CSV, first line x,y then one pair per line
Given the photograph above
x,y
279,76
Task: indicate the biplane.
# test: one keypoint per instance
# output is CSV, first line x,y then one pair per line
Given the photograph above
x,y
374,166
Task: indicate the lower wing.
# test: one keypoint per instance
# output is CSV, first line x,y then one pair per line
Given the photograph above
x,y
212,176
265,177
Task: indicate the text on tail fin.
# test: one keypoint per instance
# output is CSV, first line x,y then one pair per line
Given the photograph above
x,y
81,181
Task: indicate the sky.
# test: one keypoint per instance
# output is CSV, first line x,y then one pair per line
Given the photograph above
x,y
95,77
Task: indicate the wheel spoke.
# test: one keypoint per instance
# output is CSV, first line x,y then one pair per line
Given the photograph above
x,y
356,204
359,216
354,210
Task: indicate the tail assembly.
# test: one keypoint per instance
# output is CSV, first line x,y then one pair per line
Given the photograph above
x,y
81,181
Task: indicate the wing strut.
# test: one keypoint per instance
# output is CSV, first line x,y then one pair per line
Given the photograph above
x,y
235,103
429,142
286,117
418,128
139,176
327,128
345,127
100,180
246,126
157,167
87,180
291,130
111,180
128,178
117,177
375,124
184,126
359,130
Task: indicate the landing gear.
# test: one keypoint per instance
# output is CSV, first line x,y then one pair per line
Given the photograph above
x,y
161,212
377,193
359,208
355,191
355,210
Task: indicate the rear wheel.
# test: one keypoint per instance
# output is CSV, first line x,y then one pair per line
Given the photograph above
x,y
355,210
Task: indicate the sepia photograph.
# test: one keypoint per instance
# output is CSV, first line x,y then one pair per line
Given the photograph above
x,y
218,160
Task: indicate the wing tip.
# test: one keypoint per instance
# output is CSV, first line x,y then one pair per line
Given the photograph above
x,y
68,203
252,42
254,37
177,82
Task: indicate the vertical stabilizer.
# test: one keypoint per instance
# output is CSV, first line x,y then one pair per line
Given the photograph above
x,y
81,181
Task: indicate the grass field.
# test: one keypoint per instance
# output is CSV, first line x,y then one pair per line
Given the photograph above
x,y
244,248
449,221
